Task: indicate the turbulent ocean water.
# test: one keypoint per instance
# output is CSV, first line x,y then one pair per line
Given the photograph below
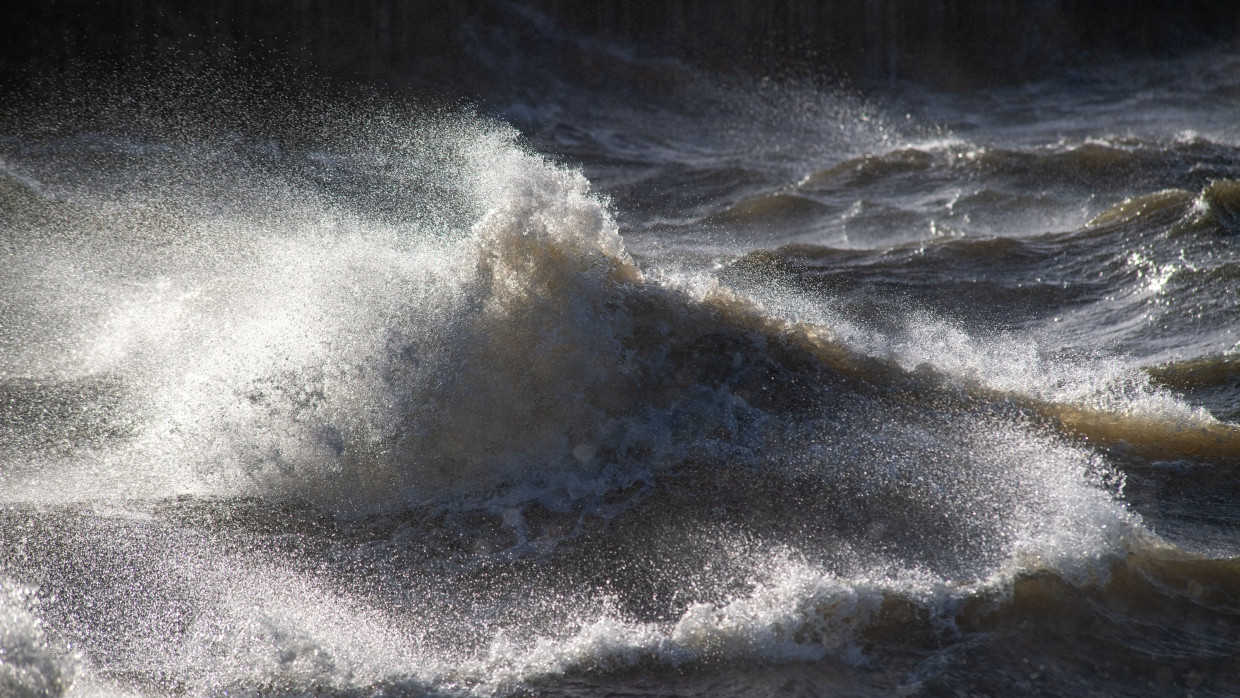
x,y
631,380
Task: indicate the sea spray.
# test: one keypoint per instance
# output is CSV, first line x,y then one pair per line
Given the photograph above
x,y
390,409
31,665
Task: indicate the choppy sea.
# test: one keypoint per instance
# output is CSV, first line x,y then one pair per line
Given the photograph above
x,y
693,385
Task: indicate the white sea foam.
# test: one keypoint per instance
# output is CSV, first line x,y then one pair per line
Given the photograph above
x,y
502,350
31,666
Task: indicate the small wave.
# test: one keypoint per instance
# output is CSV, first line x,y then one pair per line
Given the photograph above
x,y
1095,163
1151,437
1212,381
1198,373
870,168
1102,401
1092,163
773,209
803,615
1217,205
1172,200
1220,204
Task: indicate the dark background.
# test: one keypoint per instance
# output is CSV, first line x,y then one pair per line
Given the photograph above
x,y
421,46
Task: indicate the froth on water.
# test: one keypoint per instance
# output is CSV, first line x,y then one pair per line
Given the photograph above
x,y
391,409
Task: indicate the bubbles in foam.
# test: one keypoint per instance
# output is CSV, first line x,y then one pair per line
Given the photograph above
x,y
30,665
271,626
310,355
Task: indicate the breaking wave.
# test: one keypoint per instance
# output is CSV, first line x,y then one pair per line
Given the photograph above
x,y
570,461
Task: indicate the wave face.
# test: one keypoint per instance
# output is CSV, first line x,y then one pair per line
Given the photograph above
x,y
748,386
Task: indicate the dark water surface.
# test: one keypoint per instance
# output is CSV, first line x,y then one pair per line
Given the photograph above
x,y
674,386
